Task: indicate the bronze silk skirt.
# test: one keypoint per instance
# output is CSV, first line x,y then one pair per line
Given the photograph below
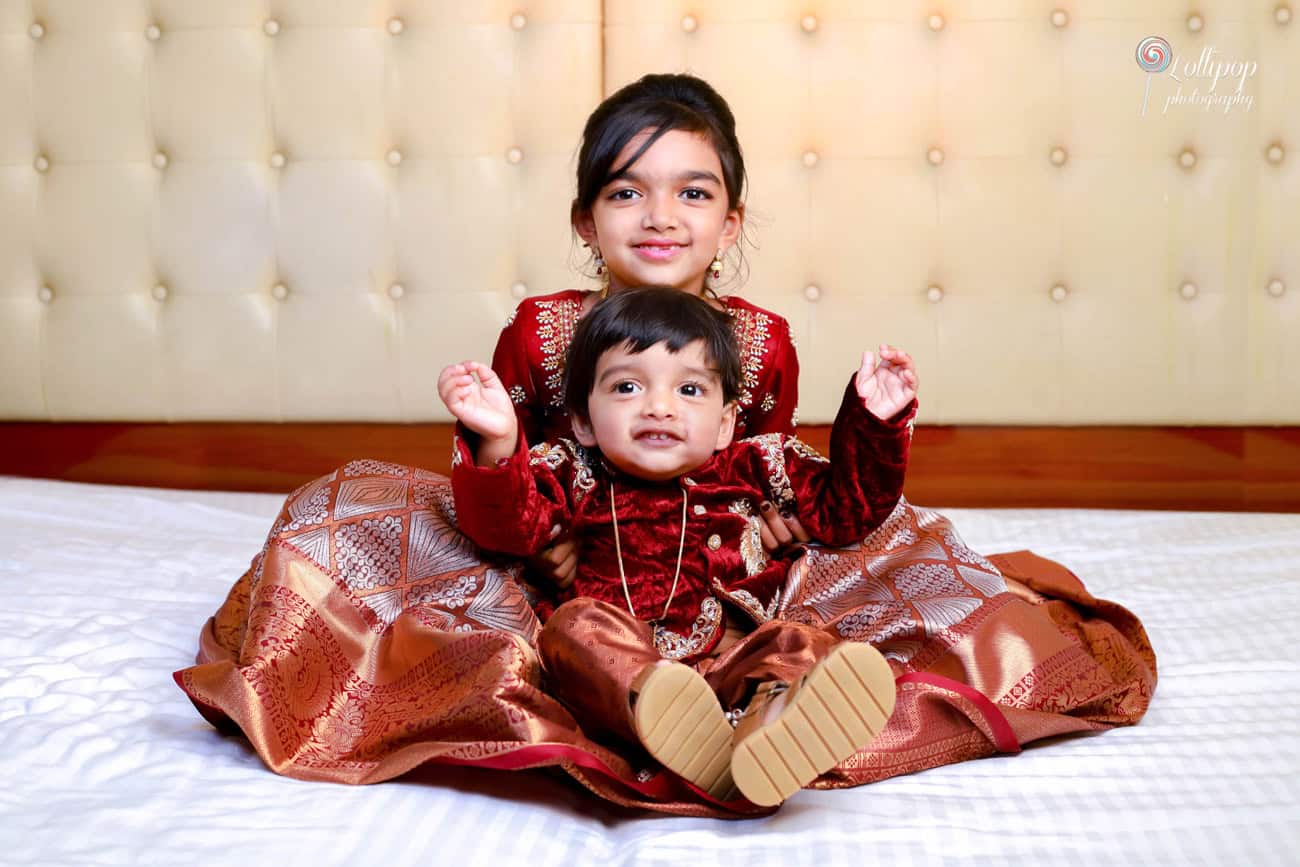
x,y
368,637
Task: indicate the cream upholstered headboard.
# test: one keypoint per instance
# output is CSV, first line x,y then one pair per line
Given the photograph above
x,y
302,209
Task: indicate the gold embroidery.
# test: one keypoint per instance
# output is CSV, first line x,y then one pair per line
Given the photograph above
x,y
753,329
555,324
551,454
748,603
672,645
518,395
751,538
803,450
769,402
584,460
772,447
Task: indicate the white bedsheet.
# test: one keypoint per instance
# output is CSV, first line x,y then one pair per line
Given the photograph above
x,y
104,760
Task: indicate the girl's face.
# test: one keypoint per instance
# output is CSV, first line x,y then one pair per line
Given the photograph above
x,y
664,220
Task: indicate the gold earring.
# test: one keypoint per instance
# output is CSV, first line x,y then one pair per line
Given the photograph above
x,y
602,273
715,268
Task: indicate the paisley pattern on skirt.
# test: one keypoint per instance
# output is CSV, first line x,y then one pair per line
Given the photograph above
x,y
368,636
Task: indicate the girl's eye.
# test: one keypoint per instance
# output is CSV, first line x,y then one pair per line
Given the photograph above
x,y
623,195
695,194
625,387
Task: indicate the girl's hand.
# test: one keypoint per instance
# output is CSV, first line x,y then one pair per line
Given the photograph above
x,y
559,563
473,393
779,529
888,386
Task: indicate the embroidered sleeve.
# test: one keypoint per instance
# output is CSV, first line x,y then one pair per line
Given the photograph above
x,y
510,361
517,507
841,500
771,370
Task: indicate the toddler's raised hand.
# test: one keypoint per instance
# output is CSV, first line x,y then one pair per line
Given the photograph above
x,y
474,394
888,386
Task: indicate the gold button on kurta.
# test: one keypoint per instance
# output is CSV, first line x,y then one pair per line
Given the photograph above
x,y
715,542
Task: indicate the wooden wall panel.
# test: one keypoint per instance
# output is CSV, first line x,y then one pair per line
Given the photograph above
x,y
1198,468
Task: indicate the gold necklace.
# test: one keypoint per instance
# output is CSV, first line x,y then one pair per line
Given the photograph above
x,y
618,550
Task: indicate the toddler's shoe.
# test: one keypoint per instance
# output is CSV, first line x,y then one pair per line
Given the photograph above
x,y
681,724
789,736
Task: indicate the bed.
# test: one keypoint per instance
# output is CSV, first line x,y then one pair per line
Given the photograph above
x,y
106,761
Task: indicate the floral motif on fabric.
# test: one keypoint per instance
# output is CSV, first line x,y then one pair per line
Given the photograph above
x,y
368,467
436,496
310,507
803,450
771,446
548,453
749,603
449,592
927,579
556,454
584,464
518,395
894,531
964,554
555,323
753,330
768,403
368,554
752,552
877,624
672,645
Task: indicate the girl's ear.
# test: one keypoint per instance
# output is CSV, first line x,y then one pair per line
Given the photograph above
x,y
731,226
727,428
585,225
582,430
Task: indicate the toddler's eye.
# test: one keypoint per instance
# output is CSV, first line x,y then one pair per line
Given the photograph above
x,y
625,387
691,389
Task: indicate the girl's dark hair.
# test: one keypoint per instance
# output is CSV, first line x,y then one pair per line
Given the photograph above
x,y
659,102
640,319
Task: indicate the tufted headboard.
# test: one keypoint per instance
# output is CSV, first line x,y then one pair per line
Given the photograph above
x,y
301,209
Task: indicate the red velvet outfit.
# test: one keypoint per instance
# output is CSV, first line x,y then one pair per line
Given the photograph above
x,y
523,504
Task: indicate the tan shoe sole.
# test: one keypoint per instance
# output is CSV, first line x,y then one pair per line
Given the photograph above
x,y
835,711
681,724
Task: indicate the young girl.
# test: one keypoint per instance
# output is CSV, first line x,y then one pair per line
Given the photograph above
x,y
652,381
369,635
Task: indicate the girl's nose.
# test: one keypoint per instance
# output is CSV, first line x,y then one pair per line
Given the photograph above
x,y
659,214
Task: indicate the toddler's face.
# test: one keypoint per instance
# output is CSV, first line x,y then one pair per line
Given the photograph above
x,y
656,414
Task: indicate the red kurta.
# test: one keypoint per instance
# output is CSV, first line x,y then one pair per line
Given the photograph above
x,y
522,505
529,358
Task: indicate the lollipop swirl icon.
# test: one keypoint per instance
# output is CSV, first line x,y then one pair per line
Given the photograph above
x,y
1153,55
